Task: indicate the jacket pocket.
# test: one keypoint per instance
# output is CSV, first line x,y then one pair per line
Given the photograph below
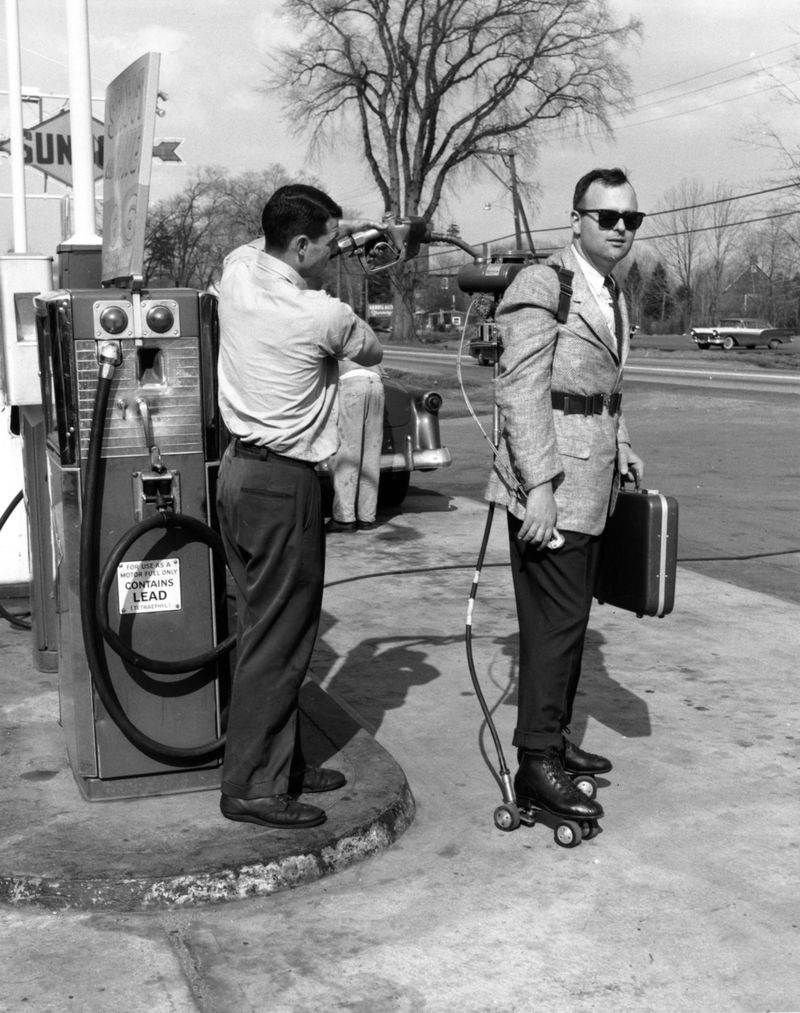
x,y
573,448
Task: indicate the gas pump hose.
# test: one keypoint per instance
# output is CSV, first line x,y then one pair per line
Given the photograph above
x,y
91,607
18,620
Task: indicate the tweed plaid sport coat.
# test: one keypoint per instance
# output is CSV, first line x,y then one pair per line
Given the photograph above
x,y
538,442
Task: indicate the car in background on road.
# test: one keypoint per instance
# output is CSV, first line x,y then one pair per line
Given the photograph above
x,y
746,332
411,438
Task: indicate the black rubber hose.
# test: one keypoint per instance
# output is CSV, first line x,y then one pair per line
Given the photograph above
x,y
92,639
502,766
203,533
16,619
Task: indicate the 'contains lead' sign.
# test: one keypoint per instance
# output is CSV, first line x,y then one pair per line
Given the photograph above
x,y
149,585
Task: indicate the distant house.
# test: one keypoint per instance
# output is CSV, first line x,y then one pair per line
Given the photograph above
x,y
752,293
749,294
444,320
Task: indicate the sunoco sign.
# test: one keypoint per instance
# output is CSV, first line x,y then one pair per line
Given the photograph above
x,y
48,147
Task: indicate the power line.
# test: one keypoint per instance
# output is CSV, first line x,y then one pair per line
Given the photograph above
x,y
443,269
716,84
719,70
724,225
723,200
687,207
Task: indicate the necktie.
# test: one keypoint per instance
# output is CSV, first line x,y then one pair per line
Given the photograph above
x,y
612,291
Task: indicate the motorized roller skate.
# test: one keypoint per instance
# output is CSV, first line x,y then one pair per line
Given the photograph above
x,y
543,791
583,766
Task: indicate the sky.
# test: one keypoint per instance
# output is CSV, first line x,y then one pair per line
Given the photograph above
x,y
706,77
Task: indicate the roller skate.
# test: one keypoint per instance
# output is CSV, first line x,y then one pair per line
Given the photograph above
x,y
582,767
545,792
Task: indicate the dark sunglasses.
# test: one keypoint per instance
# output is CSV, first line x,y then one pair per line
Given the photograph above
x,y
608,219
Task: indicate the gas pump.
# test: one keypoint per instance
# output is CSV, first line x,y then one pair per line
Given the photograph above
x,y
133,445
23,276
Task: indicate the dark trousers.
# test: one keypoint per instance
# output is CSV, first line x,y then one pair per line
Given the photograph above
x,y
270,515
553,591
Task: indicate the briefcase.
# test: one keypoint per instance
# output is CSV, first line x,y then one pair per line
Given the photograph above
x,y
639,552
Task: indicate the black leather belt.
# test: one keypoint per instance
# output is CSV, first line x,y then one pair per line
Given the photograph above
x,y
253,450
585,404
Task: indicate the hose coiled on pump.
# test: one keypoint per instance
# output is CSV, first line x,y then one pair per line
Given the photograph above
x,y
88,590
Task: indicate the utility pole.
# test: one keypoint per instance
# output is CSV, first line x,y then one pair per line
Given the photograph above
x,y
516,202
19,209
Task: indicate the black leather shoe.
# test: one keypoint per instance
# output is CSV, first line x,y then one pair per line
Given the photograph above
x,y
578,761
315,779
366,525
279,811
543,783
340,527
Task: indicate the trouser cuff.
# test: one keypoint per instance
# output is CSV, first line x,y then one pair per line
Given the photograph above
x,y
537,740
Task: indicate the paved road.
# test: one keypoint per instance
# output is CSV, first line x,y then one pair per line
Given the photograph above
x,y
730,373
731,458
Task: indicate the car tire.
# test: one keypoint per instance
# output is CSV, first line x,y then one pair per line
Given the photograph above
x,y
774,343
393,488
702,344
728,343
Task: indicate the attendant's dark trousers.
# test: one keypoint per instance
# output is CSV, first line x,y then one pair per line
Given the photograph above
x,y
553,590
270,516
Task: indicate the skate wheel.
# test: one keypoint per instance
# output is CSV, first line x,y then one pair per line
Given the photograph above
x,y
586,783
589,829
568,834
506,817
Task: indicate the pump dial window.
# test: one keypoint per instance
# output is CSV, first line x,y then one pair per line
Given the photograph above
x,y
113,320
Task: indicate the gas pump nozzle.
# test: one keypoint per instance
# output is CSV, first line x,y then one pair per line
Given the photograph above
x,y
381,248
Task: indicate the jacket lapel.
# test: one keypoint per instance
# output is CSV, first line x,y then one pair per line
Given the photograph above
x,y
626,329
585,305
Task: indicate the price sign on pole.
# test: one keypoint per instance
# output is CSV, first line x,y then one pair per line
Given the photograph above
x,y
129,129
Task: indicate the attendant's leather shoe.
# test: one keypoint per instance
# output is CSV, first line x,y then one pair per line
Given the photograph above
x,y
279,811
542,783
315,779
366,525
578,761
340,527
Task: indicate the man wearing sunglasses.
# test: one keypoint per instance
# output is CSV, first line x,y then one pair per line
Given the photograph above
x,y
563,446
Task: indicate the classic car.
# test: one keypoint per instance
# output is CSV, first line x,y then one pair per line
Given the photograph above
x,y
411,439
741,331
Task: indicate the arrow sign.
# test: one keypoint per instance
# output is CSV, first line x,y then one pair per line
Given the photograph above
x,y
48,148
167,151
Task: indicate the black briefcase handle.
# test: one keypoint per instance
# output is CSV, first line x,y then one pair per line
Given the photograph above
x,y
632,476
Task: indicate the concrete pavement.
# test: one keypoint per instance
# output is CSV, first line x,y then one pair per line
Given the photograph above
x,y
688,899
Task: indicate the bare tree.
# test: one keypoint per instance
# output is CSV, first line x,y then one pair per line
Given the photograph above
x,y
189,234
721,246
429,83
681,246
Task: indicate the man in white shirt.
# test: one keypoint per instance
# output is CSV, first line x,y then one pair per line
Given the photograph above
x,y
564,443
281,338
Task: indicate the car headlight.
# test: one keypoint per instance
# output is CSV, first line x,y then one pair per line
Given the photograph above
x,y
432,401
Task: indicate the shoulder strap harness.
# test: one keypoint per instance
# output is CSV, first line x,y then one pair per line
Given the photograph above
x,y
565,295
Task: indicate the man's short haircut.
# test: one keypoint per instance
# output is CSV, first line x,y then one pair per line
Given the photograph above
x,y
294,210
608,177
